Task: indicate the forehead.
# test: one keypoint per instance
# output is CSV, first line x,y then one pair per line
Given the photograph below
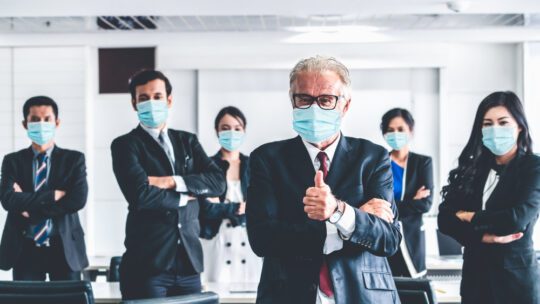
x,y
497,112
41,110
316,83
153,86
398,121
228,119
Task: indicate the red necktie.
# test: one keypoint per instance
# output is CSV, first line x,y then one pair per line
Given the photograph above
x,y
325,284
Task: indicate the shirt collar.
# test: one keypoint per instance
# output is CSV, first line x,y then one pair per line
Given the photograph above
x,y
330,150
47,152
154,132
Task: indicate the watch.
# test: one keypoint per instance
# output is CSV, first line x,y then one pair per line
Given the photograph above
x,y
336,216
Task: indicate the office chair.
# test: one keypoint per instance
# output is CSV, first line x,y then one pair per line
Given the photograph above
x,y
113,275
199,298
413,297
422,285
447,245
58,292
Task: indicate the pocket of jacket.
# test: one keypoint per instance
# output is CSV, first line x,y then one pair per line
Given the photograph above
x,y
522,260
378,280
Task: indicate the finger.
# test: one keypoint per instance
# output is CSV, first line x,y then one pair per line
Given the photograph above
x,y
312,191
319,181
312,201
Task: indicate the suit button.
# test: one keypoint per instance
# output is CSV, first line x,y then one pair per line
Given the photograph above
x,y
24,232
228,244
168,213
179,225
229,225
243,243
228,262
243,261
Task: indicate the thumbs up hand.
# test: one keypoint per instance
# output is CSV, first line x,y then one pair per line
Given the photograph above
x,y
319,202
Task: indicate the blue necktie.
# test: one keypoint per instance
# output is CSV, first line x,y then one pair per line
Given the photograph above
x,y
43,229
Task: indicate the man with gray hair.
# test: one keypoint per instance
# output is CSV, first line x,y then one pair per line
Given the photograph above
x,y
321,209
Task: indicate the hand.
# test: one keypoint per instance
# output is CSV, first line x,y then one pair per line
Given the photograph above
x,y
162,182
58,195
213,199
25,214
241,209
422,193
494,239
319,203
380,208
16,187
465,216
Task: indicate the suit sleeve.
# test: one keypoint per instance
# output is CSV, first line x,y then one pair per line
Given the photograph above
x,y
19,202
449,224
133,180
208,180
217,211
269,236
525,210
76,192
371,232
419,206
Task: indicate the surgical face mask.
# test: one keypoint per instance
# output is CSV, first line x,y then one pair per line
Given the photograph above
x,y
41,132
396,140
499,140
315,125
152,113
231,140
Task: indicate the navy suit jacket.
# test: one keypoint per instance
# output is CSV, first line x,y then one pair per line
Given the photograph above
x,y
67,173
292,244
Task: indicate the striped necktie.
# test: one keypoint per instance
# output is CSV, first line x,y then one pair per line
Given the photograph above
x,y
165,147
43,229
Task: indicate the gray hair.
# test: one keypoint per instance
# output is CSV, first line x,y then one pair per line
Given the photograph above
x,y
321,64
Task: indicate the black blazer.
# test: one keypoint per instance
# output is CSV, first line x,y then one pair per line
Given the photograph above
x,y
292,244
498,273
152,227
213,214
67,173
419,172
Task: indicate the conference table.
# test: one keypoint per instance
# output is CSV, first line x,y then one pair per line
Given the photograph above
x,y
236,293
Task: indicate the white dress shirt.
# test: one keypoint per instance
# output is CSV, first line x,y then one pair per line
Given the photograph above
x,y
346,223
179,180
491,184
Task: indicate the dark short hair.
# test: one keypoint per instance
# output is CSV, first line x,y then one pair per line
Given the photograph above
x,y
145,76
39,101
234,112
393,113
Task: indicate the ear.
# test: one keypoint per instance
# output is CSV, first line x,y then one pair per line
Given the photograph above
x,y
134,104
25,125
169,101
58,123
346,107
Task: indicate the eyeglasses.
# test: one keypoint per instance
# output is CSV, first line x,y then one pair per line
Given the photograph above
x,y
325,102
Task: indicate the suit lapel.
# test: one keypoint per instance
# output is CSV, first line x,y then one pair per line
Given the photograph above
x,y
56,153
410,171
154,148
338,166
180,156
299,163
501,185
27,170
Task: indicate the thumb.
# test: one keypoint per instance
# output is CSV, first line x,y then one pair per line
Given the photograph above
x,y
319,181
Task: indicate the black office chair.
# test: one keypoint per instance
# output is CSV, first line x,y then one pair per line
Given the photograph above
x,y
413,297
447,245
58,292
199,298
113,275
423,285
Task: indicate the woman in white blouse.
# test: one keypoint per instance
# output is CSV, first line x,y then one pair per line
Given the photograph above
x,y
228,257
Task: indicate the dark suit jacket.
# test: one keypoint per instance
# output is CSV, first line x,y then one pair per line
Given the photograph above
x,y
419,173
152,227
508,273
212,214
67,173
292,244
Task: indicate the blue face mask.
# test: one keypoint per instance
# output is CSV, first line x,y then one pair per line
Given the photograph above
x,y
396,140
152,113
231,140
41,132
315,125
499,140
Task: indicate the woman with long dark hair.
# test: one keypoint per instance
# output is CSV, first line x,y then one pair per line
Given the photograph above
x,y
491,204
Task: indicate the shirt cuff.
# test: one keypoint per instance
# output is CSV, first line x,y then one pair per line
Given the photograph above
x,y
180,184
184,198
332,242
346,223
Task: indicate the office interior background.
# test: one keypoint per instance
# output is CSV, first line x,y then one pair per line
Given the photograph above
x,y
438,59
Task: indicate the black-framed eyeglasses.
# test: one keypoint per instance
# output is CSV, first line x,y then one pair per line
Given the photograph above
x,y
325,102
